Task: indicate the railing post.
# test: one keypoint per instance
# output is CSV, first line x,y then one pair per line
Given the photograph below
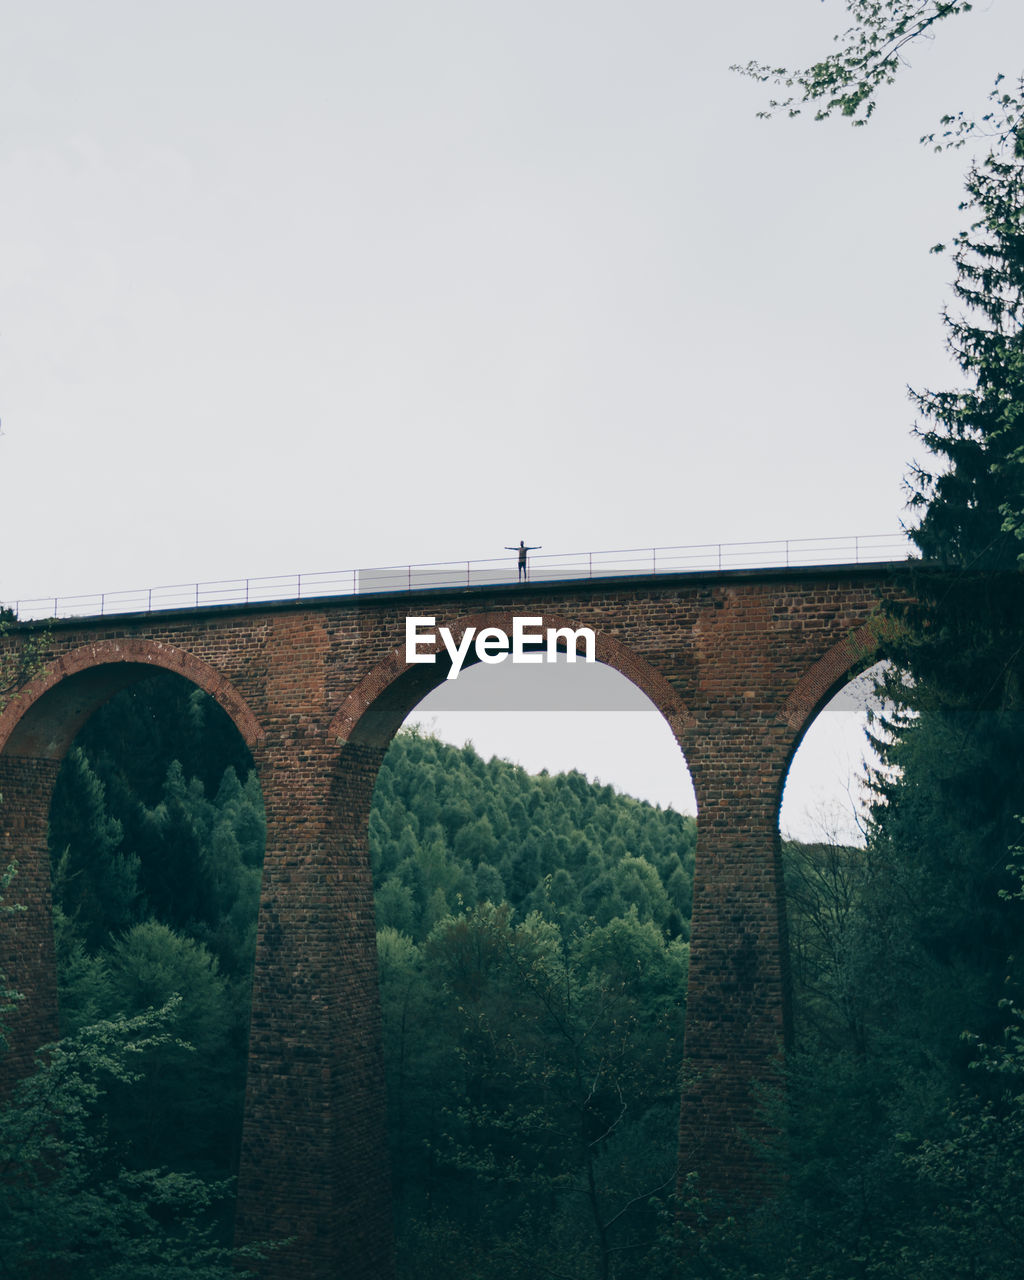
x,y
467,573
298,586
103,602
355,590
856,549
197,595
150,608
654,559
590,564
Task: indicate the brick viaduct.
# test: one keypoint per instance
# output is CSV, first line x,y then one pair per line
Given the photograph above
x,y
738,663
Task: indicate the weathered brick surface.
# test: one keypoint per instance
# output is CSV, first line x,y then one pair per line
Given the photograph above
x,y
314,1124
26,936
737,663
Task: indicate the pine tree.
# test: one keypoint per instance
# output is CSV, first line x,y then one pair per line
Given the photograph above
x,y
952,789
964,633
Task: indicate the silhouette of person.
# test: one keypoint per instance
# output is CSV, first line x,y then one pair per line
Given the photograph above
x,y
522,549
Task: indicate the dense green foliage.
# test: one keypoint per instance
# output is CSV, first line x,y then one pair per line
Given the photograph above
x,y
532,1088
533,970
73,1206
449,830
74,1202
157,849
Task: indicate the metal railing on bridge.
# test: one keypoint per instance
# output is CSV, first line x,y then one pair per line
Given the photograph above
x,y
702,558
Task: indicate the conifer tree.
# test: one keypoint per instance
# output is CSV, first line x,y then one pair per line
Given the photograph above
x,y
960,638
970,496
946,816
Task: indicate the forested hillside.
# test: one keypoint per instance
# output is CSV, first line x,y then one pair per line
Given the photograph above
x,y
449,830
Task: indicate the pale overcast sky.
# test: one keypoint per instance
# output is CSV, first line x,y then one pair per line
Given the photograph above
x,y
321,285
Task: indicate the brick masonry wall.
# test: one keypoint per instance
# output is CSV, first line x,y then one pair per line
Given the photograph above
x,y
26,936
737,663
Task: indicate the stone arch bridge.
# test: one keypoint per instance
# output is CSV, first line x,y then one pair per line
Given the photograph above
x,y
738,663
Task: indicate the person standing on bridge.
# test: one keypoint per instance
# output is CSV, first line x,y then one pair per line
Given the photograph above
x,y
522,550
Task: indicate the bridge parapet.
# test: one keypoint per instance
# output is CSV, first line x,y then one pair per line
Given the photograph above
x,y
709,557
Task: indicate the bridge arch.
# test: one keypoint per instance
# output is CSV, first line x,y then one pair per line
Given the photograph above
x,y
846,659
359,734
373,712
43,718
37,728
837,668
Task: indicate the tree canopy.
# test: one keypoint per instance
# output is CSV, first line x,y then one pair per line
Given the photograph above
x,y
870,54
